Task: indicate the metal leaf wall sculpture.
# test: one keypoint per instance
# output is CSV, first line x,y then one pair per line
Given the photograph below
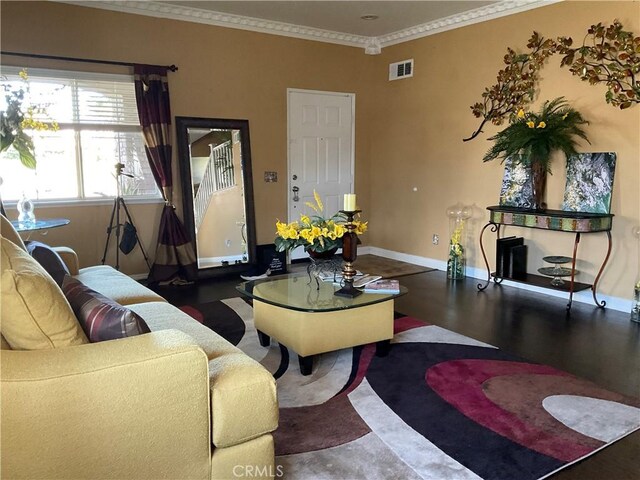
x,y
608,55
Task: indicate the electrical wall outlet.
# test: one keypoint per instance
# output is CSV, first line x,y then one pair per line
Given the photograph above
x,y
435,239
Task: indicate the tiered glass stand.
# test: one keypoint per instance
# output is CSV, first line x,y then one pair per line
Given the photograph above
x,y
557,272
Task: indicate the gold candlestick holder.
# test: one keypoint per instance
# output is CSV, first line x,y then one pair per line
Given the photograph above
x,y
349,255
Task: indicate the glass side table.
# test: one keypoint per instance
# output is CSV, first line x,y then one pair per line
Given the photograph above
x,y
40,224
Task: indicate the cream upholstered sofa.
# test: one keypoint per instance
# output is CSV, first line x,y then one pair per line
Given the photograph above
x,y
179,402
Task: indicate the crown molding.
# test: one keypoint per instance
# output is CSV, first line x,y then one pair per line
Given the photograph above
x,y
371,45
198,15
477,15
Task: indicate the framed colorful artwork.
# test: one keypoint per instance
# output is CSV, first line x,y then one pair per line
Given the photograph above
x,y
589,182
517,189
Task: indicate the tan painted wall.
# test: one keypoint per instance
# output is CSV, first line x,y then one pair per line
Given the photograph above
x,y
419,124
408,132
223,73
87,233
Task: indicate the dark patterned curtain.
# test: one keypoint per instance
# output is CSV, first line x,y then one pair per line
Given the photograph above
x,y
175,258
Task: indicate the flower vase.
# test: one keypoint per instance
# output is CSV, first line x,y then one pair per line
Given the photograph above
x,y
326,255
25,208
538,184
456,263
458,215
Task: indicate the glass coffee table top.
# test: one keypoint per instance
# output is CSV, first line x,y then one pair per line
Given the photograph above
x,y
297,292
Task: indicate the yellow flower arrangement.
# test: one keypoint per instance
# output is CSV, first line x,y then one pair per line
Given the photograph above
x,y
315,232
455,263
455,247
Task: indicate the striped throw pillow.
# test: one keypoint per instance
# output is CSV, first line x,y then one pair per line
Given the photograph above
x,y
101,318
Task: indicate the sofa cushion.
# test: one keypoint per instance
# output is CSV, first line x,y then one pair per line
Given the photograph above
x,y
234,378
116,285
49,259
7,231
101,318
4,345
163,316
35,315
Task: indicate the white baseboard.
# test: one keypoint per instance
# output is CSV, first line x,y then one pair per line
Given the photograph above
x,y
614,303
585,296
216,260
405,257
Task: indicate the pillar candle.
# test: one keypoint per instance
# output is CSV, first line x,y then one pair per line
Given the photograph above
x,y
349,202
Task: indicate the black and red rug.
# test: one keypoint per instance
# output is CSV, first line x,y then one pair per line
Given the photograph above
x,y
440,406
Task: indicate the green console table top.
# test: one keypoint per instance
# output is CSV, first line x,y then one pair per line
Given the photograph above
x,y
551,219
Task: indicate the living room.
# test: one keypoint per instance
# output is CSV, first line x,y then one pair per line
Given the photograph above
x,y
410,161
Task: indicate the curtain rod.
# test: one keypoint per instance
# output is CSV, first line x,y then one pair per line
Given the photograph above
x,y
172,68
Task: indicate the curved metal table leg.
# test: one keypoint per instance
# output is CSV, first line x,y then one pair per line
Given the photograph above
x,y
603,303
573,270
494,228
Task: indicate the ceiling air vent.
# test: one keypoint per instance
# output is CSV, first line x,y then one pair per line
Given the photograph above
x,y
403,69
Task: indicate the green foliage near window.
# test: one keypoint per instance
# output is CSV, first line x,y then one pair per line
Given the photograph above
x,y
19,117
533,137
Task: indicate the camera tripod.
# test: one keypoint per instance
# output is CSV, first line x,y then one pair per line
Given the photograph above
x,y
115,215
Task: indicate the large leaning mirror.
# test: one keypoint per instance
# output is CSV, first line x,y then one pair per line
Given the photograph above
x,y
215,168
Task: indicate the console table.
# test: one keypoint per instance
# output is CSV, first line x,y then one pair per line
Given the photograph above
x,y
558,220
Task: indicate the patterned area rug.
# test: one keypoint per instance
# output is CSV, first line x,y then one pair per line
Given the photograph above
x,y
439,406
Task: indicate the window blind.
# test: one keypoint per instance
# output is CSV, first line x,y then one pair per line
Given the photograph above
x,y
82,99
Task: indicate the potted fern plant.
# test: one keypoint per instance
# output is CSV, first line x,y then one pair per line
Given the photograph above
x,y
531,138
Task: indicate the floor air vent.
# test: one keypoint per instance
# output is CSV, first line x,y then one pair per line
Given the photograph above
x,y
403,69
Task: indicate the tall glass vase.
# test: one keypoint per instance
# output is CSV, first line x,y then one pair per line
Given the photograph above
x,y
458,215
539,184
456,262
635,301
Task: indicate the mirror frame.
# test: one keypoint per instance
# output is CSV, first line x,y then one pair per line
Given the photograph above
x,y
184,160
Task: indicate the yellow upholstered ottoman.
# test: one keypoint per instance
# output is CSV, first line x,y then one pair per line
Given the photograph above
x,y
310,319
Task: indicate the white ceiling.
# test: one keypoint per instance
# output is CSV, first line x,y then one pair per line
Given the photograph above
x,y
342,16
328,21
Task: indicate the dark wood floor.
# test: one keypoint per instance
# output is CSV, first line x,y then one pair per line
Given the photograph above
x,y
599,345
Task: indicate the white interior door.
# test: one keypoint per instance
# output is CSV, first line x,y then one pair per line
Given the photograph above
x,y
321,150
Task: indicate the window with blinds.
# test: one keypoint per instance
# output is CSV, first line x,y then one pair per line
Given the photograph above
x,y
99,128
